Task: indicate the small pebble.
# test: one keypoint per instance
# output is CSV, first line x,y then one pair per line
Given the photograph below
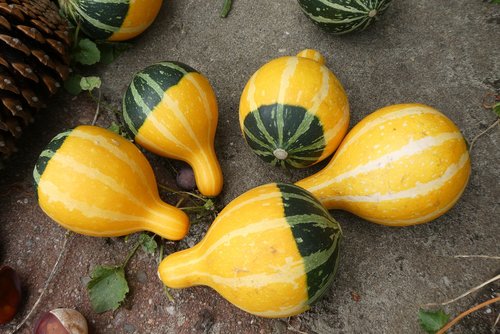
x,y
129,328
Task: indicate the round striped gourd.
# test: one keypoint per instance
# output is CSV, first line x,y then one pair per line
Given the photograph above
x,y
171,110
343,16
402,165
116,20
272,252
94,182
293,111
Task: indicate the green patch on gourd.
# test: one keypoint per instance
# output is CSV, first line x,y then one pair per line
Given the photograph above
x,y
97,18
320,237
285,135
146,91
343,16
47,154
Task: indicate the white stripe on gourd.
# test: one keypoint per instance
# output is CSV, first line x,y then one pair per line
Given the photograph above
x,y
397,114
412,148
421,189
56,195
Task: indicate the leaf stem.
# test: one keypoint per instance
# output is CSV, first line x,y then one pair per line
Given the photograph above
x,y
164,187
129,256
478,257
473,141
496,278
49,279
97,108
465,313
226,8
77,33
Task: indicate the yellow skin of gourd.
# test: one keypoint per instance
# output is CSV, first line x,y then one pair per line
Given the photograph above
x,y
248,255
182,126
402,165
303,81
140,16
100,184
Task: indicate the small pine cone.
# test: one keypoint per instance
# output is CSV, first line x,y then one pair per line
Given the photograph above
x,y
34,61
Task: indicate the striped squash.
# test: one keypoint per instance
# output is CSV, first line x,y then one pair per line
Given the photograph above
x,y
272,252
116,20
402,165
343,16
171,110
94,182
293,111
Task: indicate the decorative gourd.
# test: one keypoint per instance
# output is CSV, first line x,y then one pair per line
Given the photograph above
x,y
95,182
116,20
293,111
273,251
343,16
171,110
402,165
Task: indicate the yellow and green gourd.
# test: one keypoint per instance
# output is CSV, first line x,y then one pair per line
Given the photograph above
x,y
293,111
95,182
272,252
116,20
402,165
171,110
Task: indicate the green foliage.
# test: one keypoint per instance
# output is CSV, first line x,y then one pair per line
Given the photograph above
x,y
86,52
90,83
111,51
226,8
432,321
72,85
148,243
107,288
108,285
496,107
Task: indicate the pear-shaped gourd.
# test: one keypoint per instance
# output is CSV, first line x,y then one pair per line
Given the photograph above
x,y
293,111
273,251
171,110
402,165
95,182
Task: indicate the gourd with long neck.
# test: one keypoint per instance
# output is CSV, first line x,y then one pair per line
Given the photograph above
x,y
95,182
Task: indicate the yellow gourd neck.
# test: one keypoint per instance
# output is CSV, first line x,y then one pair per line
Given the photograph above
x,y
166,221
207,172
313,55
182,269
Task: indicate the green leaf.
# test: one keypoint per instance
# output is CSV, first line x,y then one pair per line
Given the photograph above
x,y
115,127
72,85
226,8
107,288
209,205
148,243
86,52
496,107
432,321
90,83
111,51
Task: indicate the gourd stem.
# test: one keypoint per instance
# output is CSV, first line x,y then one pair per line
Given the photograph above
x,y
226,9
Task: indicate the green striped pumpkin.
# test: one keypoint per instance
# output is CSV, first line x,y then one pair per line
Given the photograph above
x,y
293,111
112,20
275,241
343,16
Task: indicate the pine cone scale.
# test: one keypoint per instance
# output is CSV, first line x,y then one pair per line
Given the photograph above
x,y
34,60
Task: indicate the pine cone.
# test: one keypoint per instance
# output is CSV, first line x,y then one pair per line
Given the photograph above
x,y
34,61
